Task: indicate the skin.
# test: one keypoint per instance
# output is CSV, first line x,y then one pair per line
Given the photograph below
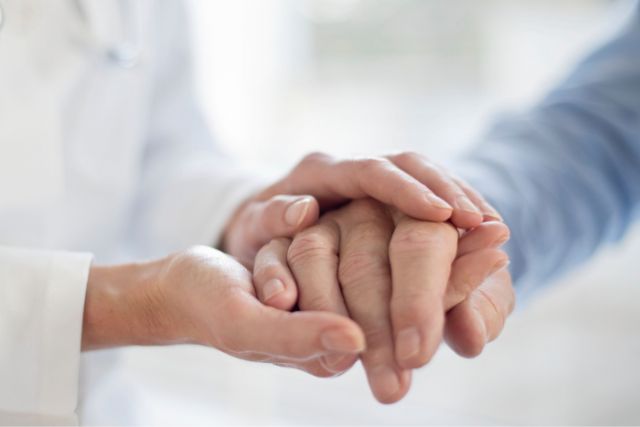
x,y
319,183
405,282
203,296
207,297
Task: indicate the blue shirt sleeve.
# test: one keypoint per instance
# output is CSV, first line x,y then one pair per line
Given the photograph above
x,y
566,174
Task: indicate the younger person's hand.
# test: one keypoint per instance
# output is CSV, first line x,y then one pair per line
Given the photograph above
x,y
409,182
203,296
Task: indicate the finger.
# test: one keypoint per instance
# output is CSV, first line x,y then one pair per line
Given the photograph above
x,y
489,212
280,216
365,277
333,182
262,221
273,281
495,301
466,214
469,271
262,330
465,331
421,255
480,319
313,259
490,234
270,268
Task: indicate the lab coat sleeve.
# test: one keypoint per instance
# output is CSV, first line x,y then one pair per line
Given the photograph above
x,y
41,310
188,187
566,175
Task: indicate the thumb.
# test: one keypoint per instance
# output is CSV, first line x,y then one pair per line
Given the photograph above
x,y
279,216
295,336
284,216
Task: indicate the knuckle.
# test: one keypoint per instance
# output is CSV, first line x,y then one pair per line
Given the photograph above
x,y
371,164
316,157
309,245
406,158
420,235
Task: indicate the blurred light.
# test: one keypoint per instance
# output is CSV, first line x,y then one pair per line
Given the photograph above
x,y
327,10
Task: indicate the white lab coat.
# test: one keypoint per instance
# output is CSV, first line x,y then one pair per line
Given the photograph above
x,y
104,156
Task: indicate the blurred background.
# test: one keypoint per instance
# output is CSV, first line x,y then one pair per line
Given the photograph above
x,y
280,78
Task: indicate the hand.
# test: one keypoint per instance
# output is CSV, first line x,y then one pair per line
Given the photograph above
x,y
203,296
396,277
407,181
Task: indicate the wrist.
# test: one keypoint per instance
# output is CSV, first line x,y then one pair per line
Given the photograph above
x,y
124,305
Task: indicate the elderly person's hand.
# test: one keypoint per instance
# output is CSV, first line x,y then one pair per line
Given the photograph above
x,y
400,279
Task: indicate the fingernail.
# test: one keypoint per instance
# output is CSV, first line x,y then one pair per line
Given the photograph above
x,y
465,204
342,342
272,288
385,380
493,215
499,266
437,201
408,343
296,212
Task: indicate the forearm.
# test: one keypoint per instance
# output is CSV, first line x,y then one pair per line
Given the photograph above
x,y
564,182
565,174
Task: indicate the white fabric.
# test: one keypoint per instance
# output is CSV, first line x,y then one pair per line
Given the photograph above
x,y
137,175
41,306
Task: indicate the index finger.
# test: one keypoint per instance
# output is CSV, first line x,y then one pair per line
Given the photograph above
x,y
421,255
333,182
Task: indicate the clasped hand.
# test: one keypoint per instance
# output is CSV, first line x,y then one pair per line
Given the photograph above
x,y
374,258
405,282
